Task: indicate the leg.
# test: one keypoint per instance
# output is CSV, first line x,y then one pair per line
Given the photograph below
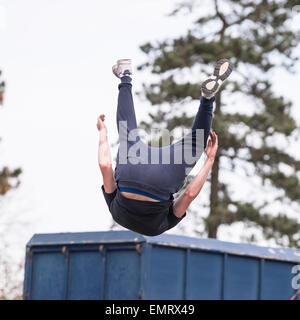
x,y
185,153
203,119
125,110
126,119
190,147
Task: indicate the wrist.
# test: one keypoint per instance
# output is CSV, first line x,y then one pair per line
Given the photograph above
x,y
210,160
102,135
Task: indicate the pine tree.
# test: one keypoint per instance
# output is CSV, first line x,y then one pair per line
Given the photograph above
x,y
258,38
8,177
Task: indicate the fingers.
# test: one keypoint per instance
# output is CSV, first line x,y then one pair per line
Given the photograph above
x,y
101,117
100,121
214,137
215,142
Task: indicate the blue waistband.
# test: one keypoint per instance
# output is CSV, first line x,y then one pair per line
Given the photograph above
x,y
140,192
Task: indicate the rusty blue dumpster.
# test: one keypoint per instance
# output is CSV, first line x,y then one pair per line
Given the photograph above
x,y
127,265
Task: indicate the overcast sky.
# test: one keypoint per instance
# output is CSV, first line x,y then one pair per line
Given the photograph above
x,y
56,58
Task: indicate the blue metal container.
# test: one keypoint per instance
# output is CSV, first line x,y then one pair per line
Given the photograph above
x,y
127,265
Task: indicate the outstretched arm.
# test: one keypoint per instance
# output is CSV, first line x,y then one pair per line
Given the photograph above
x,y
182,203
104,157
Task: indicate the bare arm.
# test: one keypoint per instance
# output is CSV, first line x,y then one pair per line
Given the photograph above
x,y
182,203
104,157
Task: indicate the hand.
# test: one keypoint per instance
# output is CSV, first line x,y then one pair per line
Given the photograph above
x,y
212,146
100,124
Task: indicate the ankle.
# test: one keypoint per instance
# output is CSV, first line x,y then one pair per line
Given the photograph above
x,y
209,98
125,78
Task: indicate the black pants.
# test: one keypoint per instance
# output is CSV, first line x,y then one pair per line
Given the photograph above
x,y
158,171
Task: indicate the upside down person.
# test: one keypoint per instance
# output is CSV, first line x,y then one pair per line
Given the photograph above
x,y
139,193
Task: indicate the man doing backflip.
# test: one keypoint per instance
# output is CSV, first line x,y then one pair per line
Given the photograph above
x,y
139,192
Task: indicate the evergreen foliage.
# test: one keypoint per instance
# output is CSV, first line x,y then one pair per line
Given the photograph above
x,y
258,38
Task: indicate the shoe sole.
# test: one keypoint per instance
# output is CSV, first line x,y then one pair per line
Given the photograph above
x,y
120,62
125,61
223,69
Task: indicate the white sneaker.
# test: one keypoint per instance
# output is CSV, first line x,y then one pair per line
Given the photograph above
x,y
212,85
122,68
